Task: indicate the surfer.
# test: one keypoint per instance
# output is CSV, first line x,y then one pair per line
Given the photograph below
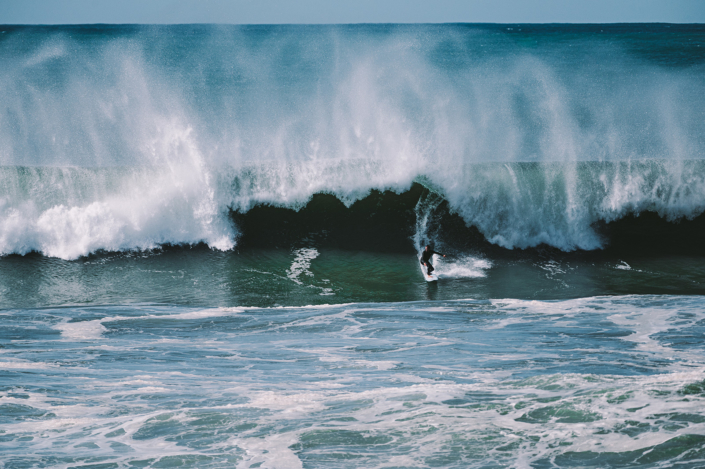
x,y
426,258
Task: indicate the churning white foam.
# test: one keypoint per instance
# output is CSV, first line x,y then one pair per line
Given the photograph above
x,y
94,329
150,207
301,264
461,267
81,330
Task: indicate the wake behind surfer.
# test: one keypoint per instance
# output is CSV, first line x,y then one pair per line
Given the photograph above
x,y
426,256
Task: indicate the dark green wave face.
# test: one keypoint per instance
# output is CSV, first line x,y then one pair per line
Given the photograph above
x,y
314,275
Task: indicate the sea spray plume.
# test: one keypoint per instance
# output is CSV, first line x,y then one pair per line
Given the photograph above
x,y
528,110
561,127
123,172
346,137
531,138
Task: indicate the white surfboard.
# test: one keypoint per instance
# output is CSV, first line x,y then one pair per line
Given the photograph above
x,y
429,278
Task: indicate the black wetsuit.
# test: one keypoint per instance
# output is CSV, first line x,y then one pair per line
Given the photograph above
x,y
426,259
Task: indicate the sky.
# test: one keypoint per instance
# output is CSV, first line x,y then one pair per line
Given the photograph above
x,y
349,11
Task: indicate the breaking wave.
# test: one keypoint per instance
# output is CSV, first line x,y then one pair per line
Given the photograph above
x,y
125,137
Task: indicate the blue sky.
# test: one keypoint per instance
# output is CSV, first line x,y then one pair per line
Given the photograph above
x,y
349,11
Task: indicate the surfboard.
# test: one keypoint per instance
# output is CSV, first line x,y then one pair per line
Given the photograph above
x,y
429,278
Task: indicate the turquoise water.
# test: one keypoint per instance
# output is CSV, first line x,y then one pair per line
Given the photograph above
x,y
208,241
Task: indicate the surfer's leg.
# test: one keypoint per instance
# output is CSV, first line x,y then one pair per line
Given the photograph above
x,y
430,268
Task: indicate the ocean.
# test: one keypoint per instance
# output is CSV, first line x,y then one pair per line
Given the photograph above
x,y
209,239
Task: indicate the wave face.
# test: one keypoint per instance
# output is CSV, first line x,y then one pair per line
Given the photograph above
x,y
125,137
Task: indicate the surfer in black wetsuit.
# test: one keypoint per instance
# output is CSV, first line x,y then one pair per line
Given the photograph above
x,y
426,255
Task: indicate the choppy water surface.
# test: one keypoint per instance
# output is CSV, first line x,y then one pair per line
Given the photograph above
x,y
594,382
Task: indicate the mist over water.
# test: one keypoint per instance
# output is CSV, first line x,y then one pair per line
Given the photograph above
x,y
119,137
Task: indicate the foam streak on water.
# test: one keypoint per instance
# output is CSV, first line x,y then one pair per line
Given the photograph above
x,y
594,382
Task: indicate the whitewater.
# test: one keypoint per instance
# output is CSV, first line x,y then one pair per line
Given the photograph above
x,y
209,238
